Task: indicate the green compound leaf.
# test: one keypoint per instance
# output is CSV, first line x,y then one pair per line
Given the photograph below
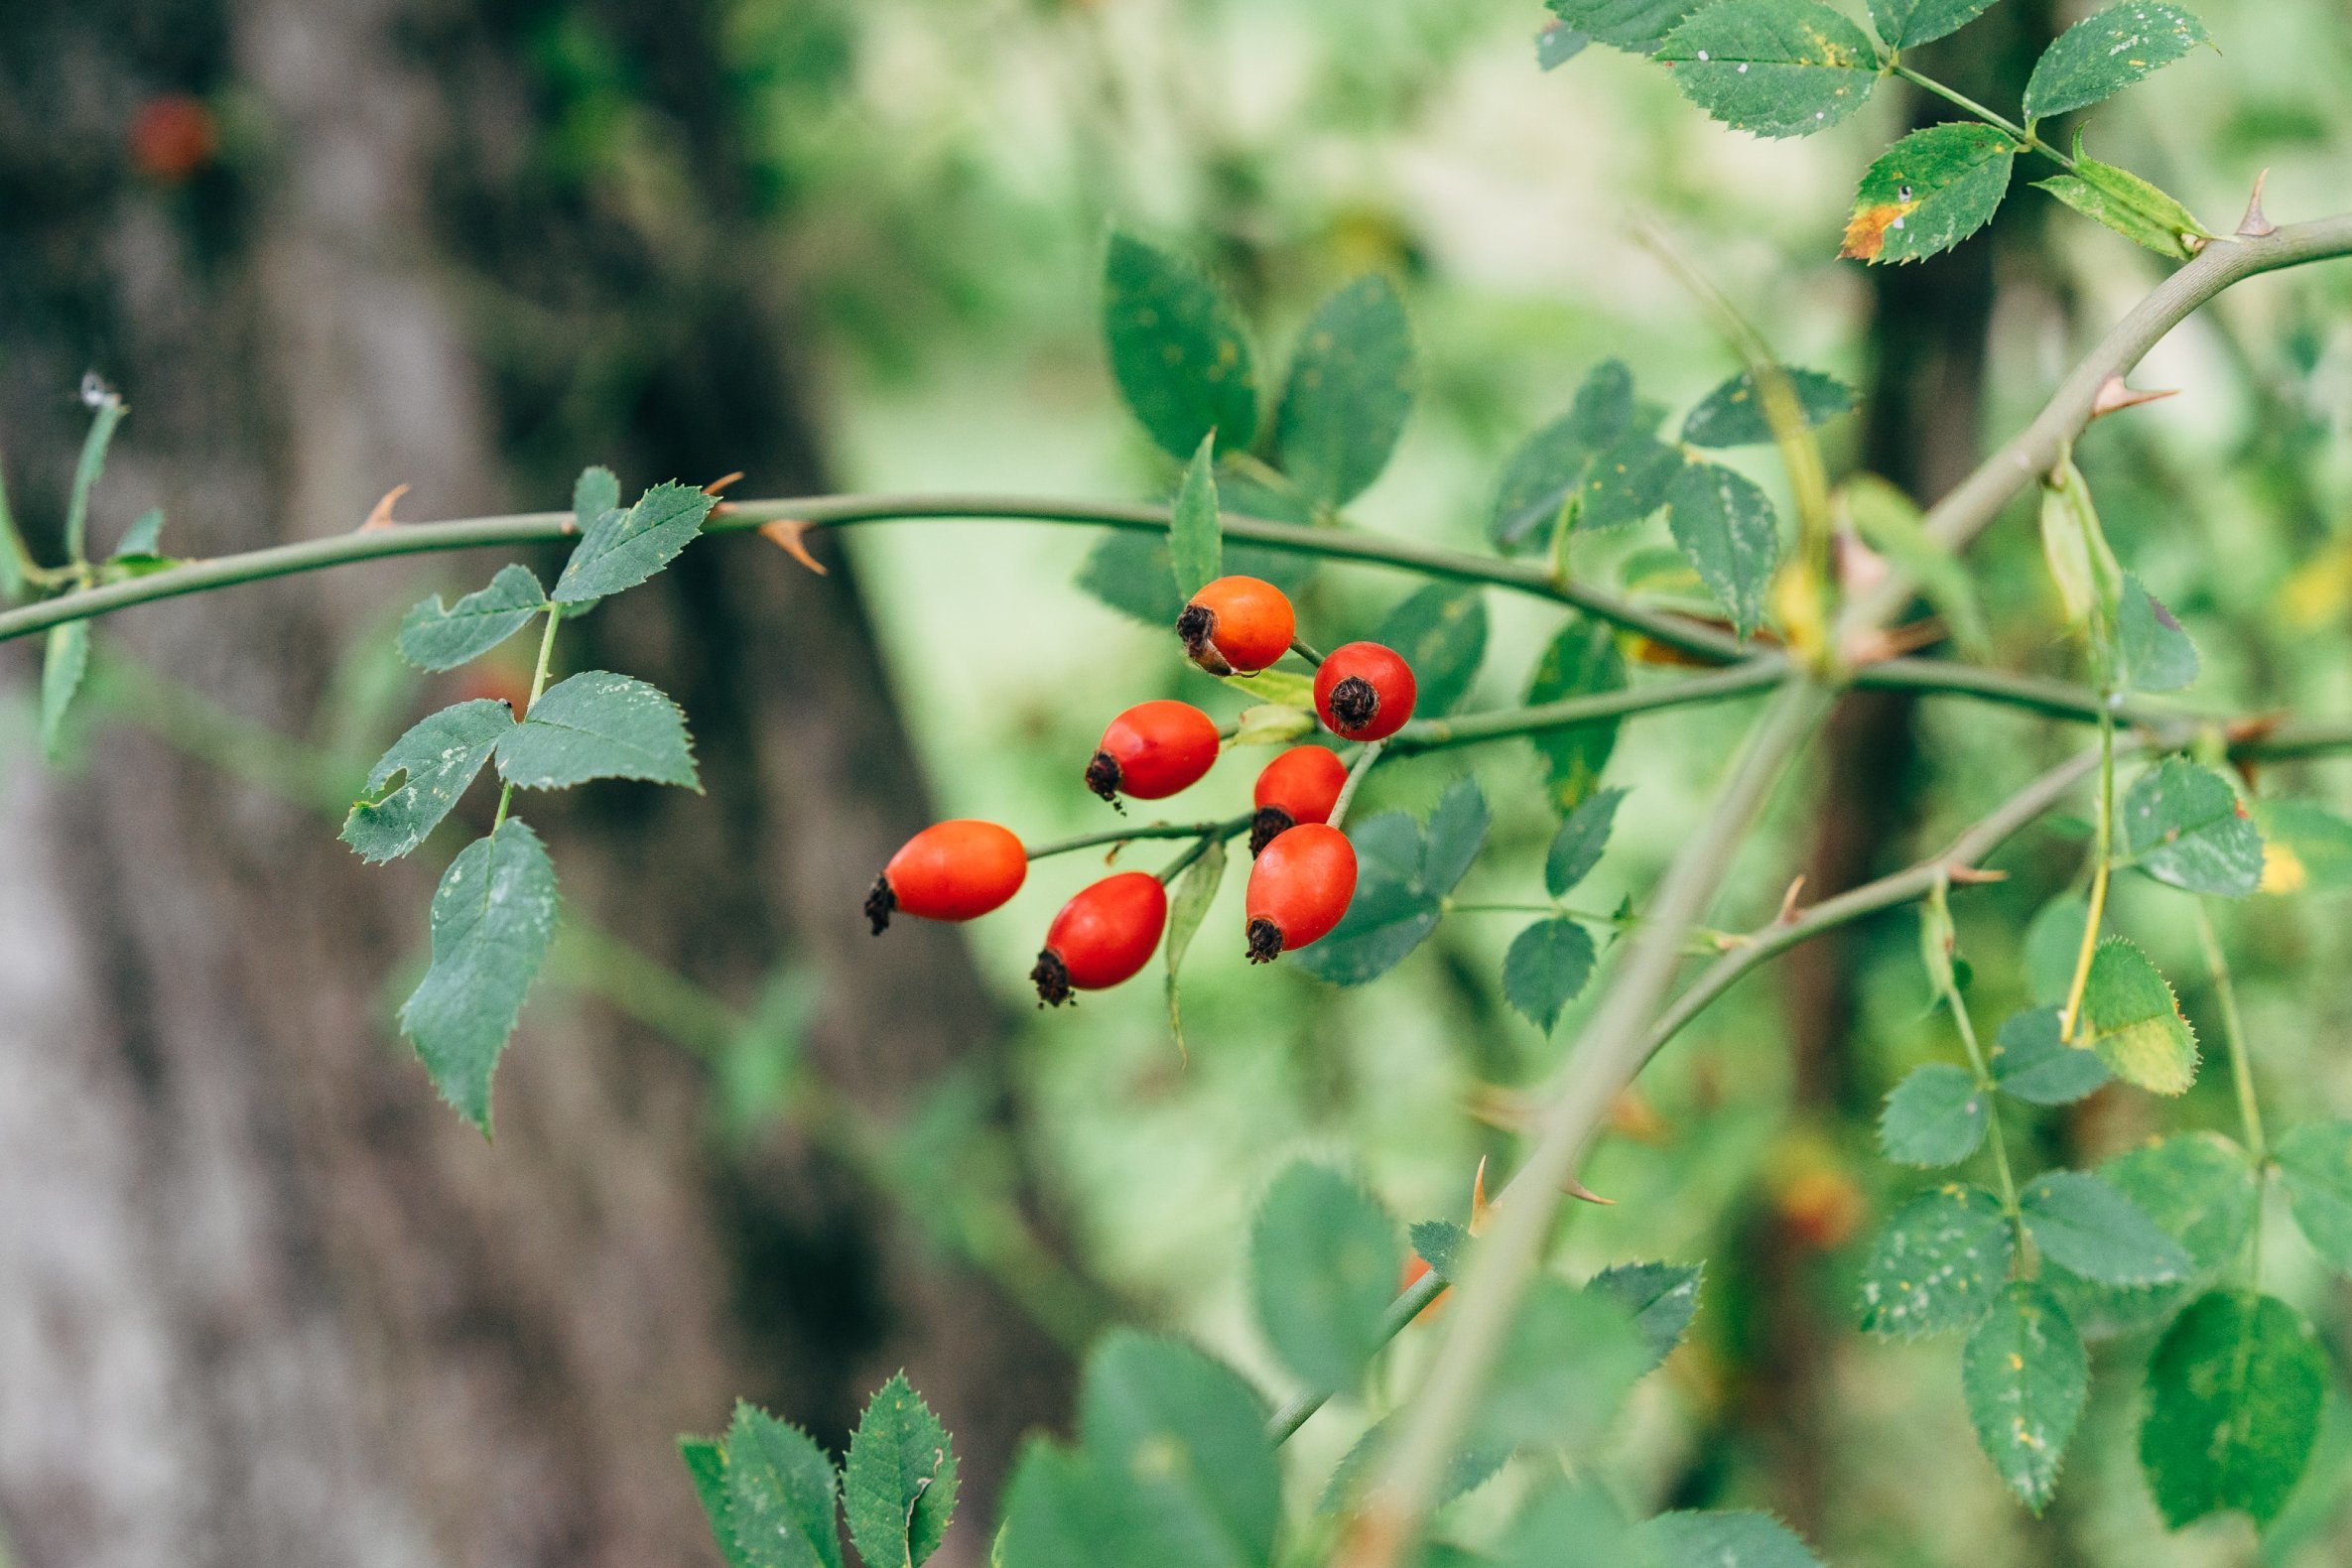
x,y
433,637
598,726
779,1493
2129,1016
1733,413
1059,1511
620,550
2200,1190
2026,1376
1570,1359
1939,1265
1742,1540
1627,481
1548,470
2182,823
1546,969
1403,875
2088,1227
2032,1063
1441,632
1637,26
1905,24
434,762
64,660
595,492
898,1486
1725,524
1662,1298
1177,350
1323,1264
2315,1167
1582,660
2305,847
1441,1243
1937,1116
1928,192
493,918
2132,206
1188,906
1350,386
704,1459
1181,1440
1776,68
2234,1394
2102,55
2151,652
1196,539
1579,845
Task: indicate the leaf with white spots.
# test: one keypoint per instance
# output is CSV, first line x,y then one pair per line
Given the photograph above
x,y
2102,55
433,762
1935,1117
1939,1265
2026,1376
1928,192
1776,68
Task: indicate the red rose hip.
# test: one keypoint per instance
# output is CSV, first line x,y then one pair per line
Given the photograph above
x,y
1102,937
1298,889
1365,692
1237,625
1300,785
1152,750
951,871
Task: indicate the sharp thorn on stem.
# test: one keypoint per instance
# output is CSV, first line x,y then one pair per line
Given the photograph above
x,y
2255,224
1789,909
380,516
790,534
2114,397
1972,875
1576,1189
721,483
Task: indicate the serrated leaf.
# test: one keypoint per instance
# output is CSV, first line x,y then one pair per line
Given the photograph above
x,y
435,637
64,660
2132,206
1323,1266
1546,969
2088,1227
1733,415
1637,26
2315,1168
598,726
1741,1539
1582,840
1939,1265
1441,632
1662,1298
144,537
1568,1362
1937,1116
2200,1190
2053,942
1470,1468
898,1485
1134,572
2182,824
1627,482
2030,1062
2151,652
2305,847
1776,68
2102,55
1928,192
2027,1377
620,550
1403,877
1350,389
1180,1439
1188,906
1441,1243
1196,539
594,494
434,759
493,918
1580,661
1725,524
1548,470
1906,24
1568,1524
2234,1394
2130,1018
1178,350
1891,524
704,1459
779,1493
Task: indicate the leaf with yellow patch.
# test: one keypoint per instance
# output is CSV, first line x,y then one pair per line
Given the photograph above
x,y
1928,192
2130,1017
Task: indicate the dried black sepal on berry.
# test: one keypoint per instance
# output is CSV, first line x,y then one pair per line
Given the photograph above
x,y
1353,704
1269,824
879,902
1266,941
1052,978
1195,626
1103,776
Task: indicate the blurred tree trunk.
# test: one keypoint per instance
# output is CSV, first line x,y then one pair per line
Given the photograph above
x,y
1922,428
263,1300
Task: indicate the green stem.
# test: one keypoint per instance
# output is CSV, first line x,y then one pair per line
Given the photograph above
x,y
2102,864
1158,830
2025,137
1408,1305
547,652
2233,1033
1983,1084
1366,761
1431,734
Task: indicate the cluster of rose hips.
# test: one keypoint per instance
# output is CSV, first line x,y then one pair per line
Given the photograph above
x,y
1304,868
